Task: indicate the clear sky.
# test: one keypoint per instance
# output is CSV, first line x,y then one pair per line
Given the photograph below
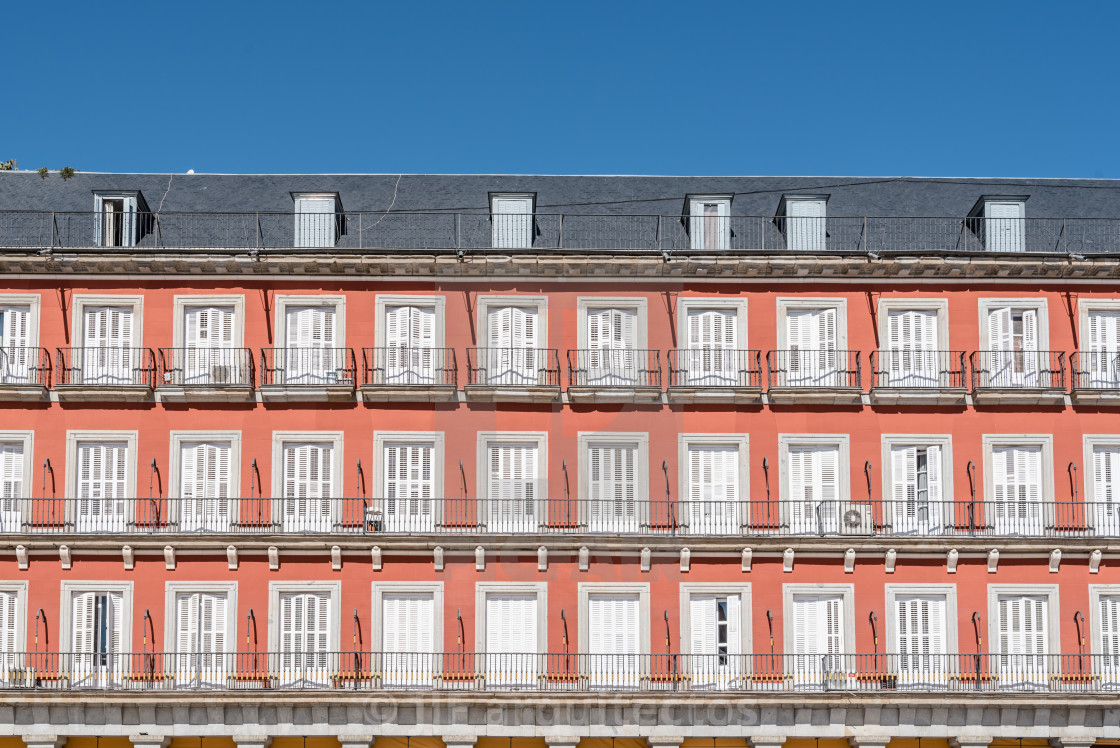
x,y
777,88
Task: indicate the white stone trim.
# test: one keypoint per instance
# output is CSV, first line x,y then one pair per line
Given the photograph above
x,y
381,438
378,589
280,438
906,304
80,301
587,589
485,438
66,610
1053,612
1045,441
482,589
175,456
438,302
170,619
785,304
739,441
27,440
19,587
638,304
183,302
948,591
73,438
35,303
486,302
1038,303
742,589
275,589
845,591
737,304
281,302
1096,592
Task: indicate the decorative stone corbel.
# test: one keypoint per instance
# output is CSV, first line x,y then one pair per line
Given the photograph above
x,y
231,557
1055,560
1095,561
686,560
65,557
479,558
336,558
169,558
850,561
273,558
951,559
746,559
787,560
646,559
437,557
129,557
375,557
542,559
584,558
21,557
993,560
890,560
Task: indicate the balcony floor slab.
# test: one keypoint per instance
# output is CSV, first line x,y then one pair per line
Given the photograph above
x,y
409,393
815,395
1017,396
717,395
918,396
307,394
587,394
87,393
227,394
511,394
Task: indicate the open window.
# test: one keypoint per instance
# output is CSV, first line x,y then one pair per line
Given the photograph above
x,y
709,221
122,219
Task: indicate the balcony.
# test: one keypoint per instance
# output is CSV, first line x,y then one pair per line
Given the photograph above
x,y
105,374
205,374
25,374
615,375
712,375
307,374
910,377
654,234
1096,377
357,670
531,515
513,375
1018,377
419,375
824,376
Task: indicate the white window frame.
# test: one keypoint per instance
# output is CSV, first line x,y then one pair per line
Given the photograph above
x,y
587,439
1085,307
847,593
140,208
336,218
1096,592
894,591
27,439
438,302
945,441
637,304
740,441
487,303
1053,612
743,590
378,590
1090,444
896,304
785,441
74,438
686,304
78,319
280,438
175,458
698,201
275,589
482,466
182,304
66,606
1038,304
34,302
382,438
482,589
1044,441
786,304
19,588
171,620
586,589
785,217
282,302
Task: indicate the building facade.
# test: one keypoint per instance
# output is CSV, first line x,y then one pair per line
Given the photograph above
x,y
558,461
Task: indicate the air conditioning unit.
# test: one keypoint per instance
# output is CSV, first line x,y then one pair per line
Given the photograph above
x,y
856,519
220,375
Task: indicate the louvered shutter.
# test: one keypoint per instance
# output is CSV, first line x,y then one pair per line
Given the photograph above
x,y
709,224
1004,227
512,338
1109,627
1106,489
713,488
612,487
9,623
734,625
410,336
511,638
512,486
186,619
11,485
806,231
904,487
702,612
208,337
407,626
310,356
1103,364
308,485
512,223
102,483
935,510
999,329
912,339
315,221
408,486
205,485
613,624
17,357
711,346
107,356
82,622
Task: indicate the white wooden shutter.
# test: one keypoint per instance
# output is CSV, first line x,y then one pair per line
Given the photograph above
x,y
1109,626
308,485
511,623
613,624
11,484
9,623
1022,625
934,482
1106,460
82,621
204,470
611,485
713,473
408,484
1004,226
16,332
734,625
108,327
920,624
315,221
305,622
999,329
513,223
818,624
711,329
408,622
512,484
806,231
310,327
1104,332
102,472
709,224
702,612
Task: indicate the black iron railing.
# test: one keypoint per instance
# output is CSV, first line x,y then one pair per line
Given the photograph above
x,y
410,367
513,367
206,367
308,367
106,367
918,370
825,368
715,367
614,367
1018,370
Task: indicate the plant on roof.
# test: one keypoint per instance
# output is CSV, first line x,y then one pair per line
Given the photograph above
x,y
42,171
9,165
66,172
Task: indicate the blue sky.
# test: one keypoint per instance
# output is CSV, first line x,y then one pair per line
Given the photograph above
x,y
805,88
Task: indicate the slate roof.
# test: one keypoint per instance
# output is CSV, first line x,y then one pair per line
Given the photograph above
x,y
753,196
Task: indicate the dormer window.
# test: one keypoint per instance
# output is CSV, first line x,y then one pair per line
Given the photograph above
x,y
709,221
511,217
121,218
318,219
999,221
802,218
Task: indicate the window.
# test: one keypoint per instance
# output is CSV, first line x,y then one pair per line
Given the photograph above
x,y
310,335
205,467
713,481
15,477
709,221
1104,613
108,330
512,220
922,631
1024,631
999,222
1100,343
122,218
408,627
514,466
804,222
13,633
614,474
1014,339
303,630
917,484
712,332
515,335
819,624
19,336
816,486
913,333
1102,483
318,218
612,334
306,474
715,632
409,330
613,632
511,629
98,630
201,629
101,475
208,339
811,336
409,475
1019,484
